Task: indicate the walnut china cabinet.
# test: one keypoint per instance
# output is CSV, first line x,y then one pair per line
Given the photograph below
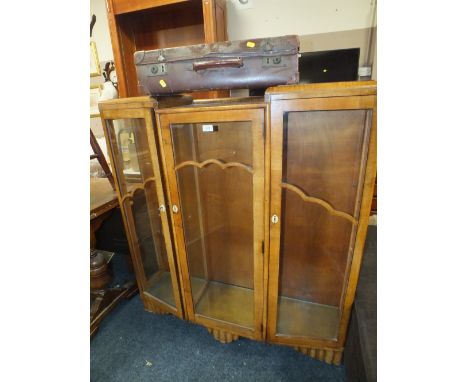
x,y
263,209
129,128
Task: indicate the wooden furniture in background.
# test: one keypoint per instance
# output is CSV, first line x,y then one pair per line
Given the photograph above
x,y
99,155
103,300
102,200
152,24
129,129
323,165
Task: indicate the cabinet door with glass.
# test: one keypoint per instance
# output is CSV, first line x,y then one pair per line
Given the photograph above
x,y
130,133
214,158
323,149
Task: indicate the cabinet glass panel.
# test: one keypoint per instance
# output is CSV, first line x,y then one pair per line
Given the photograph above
x,y
150,241
137,185
322,156
213,163
133,152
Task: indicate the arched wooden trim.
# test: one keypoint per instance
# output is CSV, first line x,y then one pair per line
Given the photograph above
x,y
214,161
131,194
321,202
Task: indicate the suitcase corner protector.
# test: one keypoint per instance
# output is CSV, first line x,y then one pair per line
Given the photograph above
x,y
138,56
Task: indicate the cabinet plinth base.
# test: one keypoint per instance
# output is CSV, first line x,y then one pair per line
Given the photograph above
x,y
330,356
223,336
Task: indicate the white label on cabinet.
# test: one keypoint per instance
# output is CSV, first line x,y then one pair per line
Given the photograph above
x,y
209,128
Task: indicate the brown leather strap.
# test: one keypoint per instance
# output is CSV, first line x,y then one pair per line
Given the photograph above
x,y
218,63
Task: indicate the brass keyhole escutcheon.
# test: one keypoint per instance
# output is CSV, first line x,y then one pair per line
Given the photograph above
x,y
274,219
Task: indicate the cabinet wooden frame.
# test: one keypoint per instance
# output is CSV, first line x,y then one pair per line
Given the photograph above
x,y
326,97
224,112
266,131
141,108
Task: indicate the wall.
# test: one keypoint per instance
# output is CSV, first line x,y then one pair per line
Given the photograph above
x,y
269,18
101,37
101,33
320,24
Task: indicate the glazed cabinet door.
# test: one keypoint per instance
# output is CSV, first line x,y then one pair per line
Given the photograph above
x,y
215,170
321,163
130,137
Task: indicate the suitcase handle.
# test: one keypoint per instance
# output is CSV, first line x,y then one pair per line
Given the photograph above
x,y
214,64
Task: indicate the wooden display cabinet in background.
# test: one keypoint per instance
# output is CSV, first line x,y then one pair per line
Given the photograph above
x,y
129,130
153,24
214,157
323,165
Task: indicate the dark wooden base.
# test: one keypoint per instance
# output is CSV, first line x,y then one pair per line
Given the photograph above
x,y
104,301
330,356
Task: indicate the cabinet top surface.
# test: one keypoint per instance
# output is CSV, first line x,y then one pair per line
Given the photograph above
x,y
185,103
218,104
145,102
329,89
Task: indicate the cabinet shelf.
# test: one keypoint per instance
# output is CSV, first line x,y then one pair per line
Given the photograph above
x,y
124,6
303,318
225,302
160,286
154,24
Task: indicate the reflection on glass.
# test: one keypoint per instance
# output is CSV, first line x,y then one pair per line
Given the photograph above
x,y
137,185
153,254
217,213
322,154
133,154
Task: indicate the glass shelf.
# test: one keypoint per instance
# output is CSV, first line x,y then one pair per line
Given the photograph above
x,y
304,318
228,303
160,286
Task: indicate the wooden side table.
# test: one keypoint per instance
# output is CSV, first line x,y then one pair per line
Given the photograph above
x,y
103,200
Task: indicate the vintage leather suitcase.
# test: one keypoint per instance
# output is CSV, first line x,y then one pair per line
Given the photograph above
x,y
256,63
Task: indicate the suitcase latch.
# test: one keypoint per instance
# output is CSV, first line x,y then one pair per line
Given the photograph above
x,y
273,61
158,69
